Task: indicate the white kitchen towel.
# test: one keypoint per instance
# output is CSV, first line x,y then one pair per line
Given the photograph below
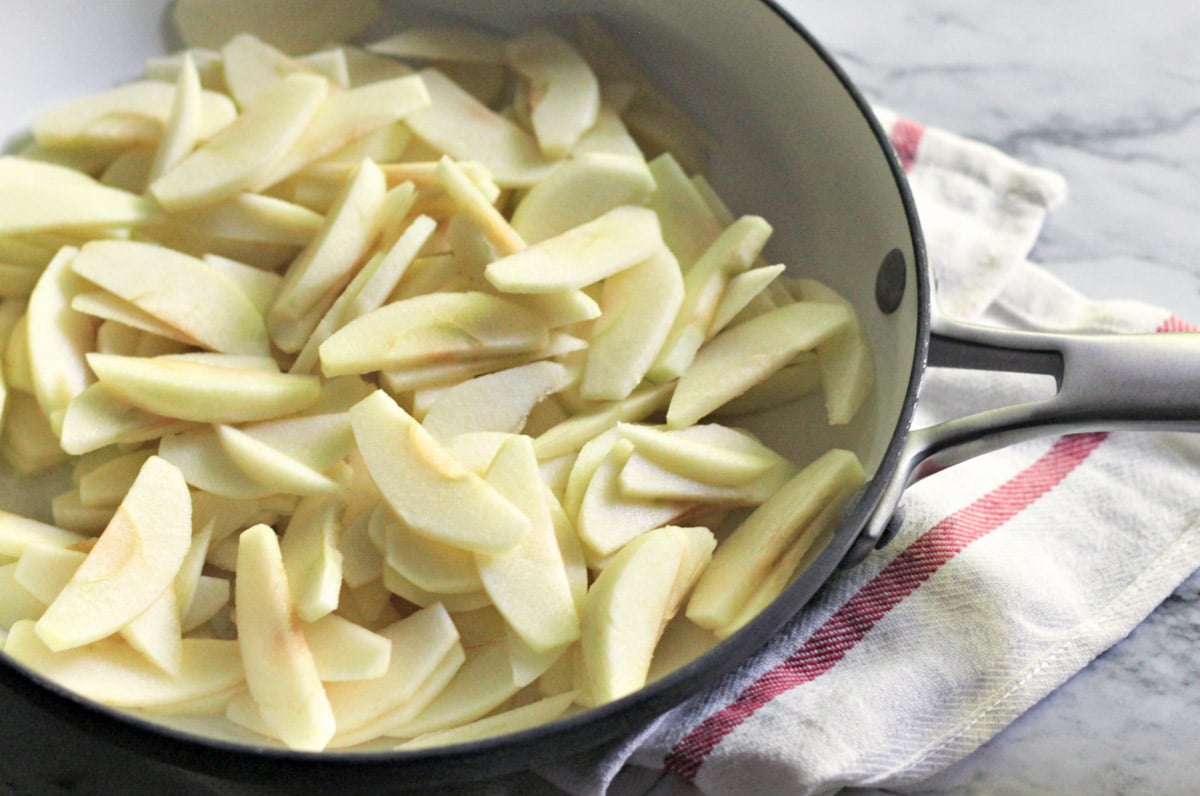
x,y
1011,572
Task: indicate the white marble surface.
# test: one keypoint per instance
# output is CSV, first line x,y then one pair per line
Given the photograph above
x,y
1107,94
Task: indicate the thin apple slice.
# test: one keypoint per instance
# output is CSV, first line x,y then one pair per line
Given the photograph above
x,y
313,280
608,519
271,468
345,651
130,115
627,610
250,66
27,442
369,289
58,338
18,533
638,309
245,150
132,563
529,584
483,683
280,672
96,418
433,329
746,354
347,116
203,392
847,369
410,592
293,27
478,208
210,596
170,286
740,292
745,557
259,286
579,191
564,94
199,454
733,252
311,557
426,487
498,401
689,226
44,571
430,565
574,432
252,217
104,307
16,602
459,125
534,714
111,672
643,479
581,256
157,633
468,45
727,457
166,68
183,127
419,643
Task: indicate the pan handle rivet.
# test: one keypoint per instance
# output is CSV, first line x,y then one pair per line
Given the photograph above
x,y
890,281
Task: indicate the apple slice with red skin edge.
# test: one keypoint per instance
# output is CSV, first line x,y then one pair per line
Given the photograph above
x,y
246,149
427,488
747,555
134,560
581,256
747,354
280,671
202,392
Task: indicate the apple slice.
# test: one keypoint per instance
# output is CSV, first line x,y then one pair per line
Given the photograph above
x,y
483,683
111,672
347,116
16,602
498,401
419,644
529,584
170,286
313,280
280,671
847,369
579,191
203,392
638,309
733,252
746,354
630,603
274,470
132,563
467,45
245,150
183,126
710,454
740,292
252,217
525,717
58,338
459,125
250,66
345,651
430,565
478,209
689,227
130,115
581,256
746,556
564,94
28,443
210,596
426,487
44,571
608,519
311,557
18,533
433,328
157,633
574,432
96,418
295,28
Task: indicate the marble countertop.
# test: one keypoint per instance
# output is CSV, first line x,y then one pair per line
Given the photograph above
x,y
1109,98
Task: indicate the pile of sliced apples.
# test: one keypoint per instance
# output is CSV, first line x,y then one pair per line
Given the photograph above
x,y
398,386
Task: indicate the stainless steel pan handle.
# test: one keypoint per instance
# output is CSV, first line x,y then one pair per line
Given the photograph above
x,y
1106,382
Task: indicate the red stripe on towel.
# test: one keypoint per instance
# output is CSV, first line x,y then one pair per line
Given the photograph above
x,y
901,577
906,140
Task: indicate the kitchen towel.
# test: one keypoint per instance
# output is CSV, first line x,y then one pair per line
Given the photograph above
x,y
1011,572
